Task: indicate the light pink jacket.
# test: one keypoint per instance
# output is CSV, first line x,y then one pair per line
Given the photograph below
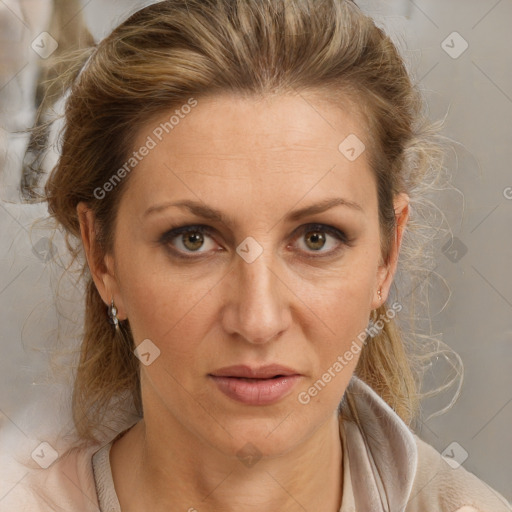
x,y
386,468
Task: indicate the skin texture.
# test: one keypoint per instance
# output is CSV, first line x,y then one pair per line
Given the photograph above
x,y
256,160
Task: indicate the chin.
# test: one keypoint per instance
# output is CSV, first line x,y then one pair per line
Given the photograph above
x,y
260,438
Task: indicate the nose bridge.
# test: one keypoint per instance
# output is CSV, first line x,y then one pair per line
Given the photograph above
x,y
259,305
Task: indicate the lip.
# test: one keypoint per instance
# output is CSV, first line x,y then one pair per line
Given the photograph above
x,y
264,385
250,372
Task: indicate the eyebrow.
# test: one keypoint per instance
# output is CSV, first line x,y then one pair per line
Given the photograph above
x,y
201,210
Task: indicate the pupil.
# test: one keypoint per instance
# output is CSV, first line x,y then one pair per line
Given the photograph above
x,y
196,239
317,238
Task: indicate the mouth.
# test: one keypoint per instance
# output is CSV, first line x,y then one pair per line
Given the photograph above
x,y
249,372
256,386
255,379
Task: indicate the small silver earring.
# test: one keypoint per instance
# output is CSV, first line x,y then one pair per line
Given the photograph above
x,y
379,293
112,315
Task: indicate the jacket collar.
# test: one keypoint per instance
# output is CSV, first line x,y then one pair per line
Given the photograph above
x,y
380,454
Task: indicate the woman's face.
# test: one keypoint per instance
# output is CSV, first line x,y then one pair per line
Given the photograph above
x,y
258,283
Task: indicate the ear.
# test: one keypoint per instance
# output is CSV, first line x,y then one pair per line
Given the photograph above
x,y
101,265
386,272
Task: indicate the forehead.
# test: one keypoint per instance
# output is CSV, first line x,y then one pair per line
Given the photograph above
x,y
289,144
276,122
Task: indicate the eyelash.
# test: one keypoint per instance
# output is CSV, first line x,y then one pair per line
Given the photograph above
x,y
174,232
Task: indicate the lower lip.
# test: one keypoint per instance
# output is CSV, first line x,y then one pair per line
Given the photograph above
x,y
256,391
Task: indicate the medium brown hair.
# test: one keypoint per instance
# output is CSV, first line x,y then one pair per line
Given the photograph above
x,y
177,49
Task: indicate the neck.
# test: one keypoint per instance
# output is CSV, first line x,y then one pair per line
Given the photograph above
x,y
155,472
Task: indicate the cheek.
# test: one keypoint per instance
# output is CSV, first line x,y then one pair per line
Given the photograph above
x,y
164,305
345,316
337,342
342,298
342,308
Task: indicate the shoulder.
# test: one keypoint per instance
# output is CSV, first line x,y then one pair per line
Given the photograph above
x,y
68,484
398,467
439,485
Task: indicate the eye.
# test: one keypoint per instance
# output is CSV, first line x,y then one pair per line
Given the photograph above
x,y
187,239
314,237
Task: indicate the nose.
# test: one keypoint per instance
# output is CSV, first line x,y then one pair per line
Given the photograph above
x,y
257,308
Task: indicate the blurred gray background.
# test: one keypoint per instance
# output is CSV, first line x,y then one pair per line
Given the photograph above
x,y
459,51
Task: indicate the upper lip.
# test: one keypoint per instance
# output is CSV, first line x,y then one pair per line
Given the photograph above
x,y
250,372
